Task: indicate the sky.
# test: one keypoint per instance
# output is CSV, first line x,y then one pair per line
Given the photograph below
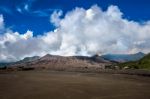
x,y
23,15
73,27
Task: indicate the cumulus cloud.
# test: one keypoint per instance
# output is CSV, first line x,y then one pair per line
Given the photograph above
x,y
80,32
1,22
86,32
55,18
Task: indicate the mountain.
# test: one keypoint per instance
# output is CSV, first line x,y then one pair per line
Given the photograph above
x,y
5,64
123,57
62,63
25,60
143,63
29,59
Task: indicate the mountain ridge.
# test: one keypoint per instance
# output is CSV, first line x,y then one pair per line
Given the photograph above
x,y
56,62
123,57
143,63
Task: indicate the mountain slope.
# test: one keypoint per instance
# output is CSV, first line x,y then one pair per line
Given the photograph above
x,y
143,63
29,59
60,62
124,57
25,60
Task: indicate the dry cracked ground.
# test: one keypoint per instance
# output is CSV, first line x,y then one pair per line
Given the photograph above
x,y
71,85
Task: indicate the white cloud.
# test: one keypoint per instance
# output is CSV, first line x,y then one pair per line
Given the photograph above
x,y
80,32
26,7
55,17
19,10
1,22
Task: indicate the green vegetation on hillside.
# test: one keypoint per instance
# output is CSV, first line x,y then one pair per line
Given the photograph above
x,y
143,63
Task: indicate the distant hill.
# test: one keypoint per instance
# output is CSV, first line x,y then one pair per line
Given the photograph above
x,y
124,57
25,60
29,59
143,63
5,64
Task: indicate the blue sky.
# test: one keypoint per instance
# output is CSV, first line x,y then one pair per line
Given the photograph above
x,y
34,15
